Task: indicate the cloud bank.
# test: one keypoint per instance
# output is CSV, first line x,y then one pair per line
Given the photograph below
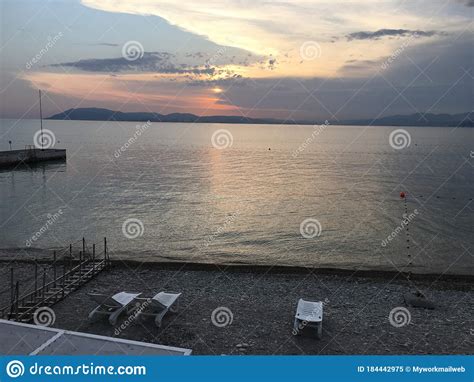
x,y
389,33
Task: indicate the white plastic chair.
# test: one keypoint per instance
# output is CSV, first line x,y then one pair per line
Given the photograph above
x,y
111,306
157,306
309,313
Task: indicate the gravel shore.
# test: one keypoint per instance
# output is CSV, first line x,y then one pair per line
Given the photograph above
x,y
258,306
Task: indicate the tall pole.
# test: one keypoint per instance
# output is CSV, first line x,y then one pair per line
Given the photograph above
x,y
93,258
105,251
41,120
54,268
36,278
12,286
44,282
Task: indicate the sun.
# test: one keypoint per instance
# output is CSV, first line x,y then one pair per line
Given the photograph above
x,y
217,90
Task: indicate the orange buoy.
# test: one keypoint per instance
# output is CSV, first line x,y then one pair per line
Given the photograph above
x,y
402,194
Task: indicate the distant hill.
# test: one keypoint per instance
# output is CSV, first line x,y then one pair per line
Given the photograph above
x,y
97,114
461,120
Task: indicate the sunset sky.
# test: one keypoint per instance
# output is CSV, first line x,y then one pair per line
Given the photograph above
x,y
295,60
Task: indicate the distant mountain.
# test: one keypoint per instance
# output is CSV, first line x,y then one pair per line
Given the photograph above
x,y
97,114
418,119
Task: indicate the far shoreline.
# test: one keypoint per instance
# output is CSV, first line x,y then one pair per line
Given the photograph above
x,y
354,123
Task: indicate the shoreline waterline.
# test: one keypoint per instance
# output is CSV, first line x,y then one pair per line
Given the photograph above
x,y
264,269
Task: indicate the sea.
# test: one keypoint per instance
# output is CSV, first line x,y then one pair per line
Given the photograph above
x,y
316,196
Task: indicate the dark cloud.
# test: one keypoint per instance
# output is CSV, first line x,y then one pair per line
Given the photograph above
x,y
389,33
155,62
149,62
109,44
359,67
272,63
106,44
467,3
232,80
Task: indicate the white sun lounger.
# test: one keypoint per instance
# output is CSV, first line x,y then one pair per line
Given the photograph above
x,y
157,306
111,306
309,313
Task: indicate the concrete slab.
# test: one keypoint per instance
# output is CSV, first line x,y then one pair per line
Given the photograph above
x,y
23,339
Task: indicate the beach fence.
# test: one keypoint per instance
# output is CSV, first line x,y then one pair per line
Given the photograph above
x,y
71,268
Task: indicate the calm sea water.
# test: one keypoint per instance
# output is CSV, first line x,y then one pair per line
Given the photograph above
x,y
245,204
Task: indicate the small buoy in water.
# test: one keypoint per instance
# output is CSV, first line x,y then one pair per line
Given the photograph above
x,y
402,194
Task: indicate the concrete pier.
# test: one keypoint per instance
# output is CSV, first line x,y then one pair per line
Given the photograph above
x,y
30,155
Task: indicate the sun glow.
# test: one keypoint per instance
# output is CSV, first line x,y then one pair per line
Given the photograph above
x,y
100,87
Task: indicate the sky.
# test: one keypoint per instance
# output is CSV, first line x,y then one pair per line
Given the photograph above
x,y
293,60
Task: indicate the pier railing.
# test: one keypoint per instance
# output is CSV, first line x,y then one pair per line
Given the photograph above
x,y
74,274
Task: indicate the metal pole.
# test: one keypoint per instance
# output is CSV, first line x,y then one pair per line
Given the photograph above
x,y
64,278
44,281
12,286
105,251
83,245
93,258
54,268
36,279
80,266
17,295
41,120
